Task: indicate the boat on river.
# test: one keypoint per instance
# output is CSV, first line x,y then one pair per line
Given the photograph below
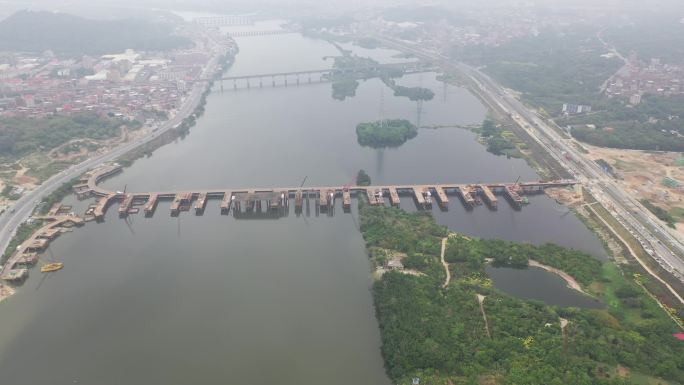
x,y
50,267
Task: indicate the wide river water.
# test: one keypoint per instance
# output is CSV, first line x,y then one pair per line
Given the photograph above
x,y
212,299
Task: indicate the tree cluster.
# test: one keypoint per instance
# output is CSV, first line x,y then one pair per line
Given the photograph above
x,y
440,336
20,136
385,133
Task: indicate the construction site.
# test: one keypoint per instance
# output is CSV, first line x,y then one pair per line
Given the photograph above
x,y
654,176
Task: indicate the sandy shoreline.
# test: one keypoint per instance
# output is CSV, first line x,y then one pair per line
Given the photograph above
x,y
567,277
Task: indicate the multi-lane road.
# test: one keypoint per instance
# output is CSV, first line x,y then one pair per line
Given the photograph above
x,y
23,207
656,239
638,220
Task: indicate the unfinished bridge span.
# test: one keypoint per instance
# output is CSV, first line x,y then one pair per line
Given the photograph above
x,y
275,202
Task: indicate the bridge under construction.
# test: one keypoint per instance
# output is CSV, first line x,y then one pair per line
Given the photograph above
x,y
274,202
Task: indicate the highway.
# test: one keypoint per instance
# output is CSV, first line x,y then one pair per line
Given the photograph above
x,y
23,207
638,220
653,235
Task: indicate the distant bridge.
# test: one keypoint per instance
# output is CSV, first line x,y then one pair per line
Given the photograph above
x,y
320,75
224,21
405,67
259,33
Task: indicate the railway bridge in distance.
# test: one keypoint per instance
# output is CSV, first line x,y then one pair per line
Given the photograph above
x,y
319,75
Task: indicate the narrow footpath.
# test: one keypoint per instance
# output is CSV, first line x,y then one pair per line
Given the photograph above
x,y
444,263
480,299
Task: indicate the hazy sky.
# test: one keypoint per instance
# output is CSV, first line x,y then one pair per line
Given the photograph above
x,y
119,8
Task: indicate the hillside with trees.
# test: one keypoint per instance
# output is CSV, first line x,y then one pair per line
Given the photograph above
x,y
28,31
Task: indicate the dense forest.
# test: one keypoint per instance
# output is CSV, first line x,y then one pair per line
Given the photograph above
x,y
664,40
439,334
20,136
28,31
646,126
385,133
555,67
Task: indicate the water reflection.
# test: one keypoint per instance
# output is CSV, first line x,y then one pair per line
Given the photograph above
x,y
538,284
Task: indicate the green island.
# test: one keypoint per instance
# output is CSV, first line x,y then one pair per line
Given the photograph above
x,y
362,178
414,93
343,89
441,334
385,133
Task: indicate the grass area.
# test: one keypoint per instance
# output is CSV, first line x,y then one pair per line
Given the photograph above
x,y
642,379
619,229
677,213
610,274
650,285
659,212
635,378
45,171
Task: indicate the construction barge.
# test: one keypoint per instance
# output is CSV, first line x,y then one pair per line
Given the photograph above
x,y
16,270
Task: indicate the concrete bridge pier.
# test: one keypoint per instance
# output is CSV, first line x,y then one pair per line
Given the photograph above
x,y
261,83
309,78
273,80
297,79
285,76
235,84
248,85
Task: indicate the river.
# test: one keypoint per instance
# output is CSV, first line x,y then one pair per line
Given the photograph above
x,y
213,299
